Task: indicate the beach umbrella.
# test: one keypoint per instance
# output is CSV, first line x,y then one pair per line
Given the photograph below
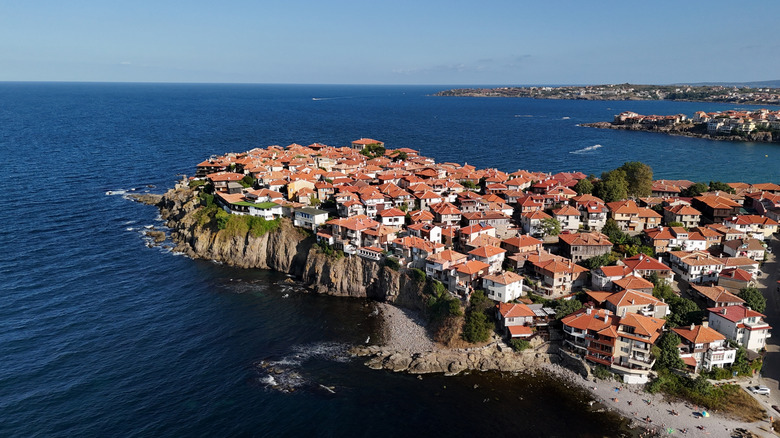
x,y
705,414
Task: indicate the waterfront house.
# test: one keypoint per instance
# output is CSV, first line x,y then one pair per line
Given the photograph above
x,y
309,218
702,348
741,324
347,232
503,286
636,334
467,274
441,266
621,344
516,318
414,250
220,180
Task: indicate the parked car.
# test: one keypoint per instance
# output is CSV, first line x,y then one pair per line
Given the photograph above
x,y
759,389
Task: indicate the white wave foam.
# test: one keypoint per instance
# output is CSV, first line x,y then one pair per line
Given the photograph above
x,y
116,192
587,149
523,115
565,118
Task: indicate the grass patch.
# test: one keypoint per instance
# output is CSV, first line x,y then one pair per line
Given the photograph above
x,y
731,400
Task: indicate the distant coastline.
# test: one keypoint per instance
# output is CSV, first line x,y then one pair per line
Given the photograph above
x,y
698,93
755,126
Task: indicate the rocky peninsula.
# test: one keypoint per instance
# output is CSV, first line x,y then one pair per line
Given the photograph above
x,y
407,344
755,126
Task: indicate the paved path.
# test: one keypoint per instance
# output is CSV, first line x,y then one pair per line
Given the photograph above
x,y
768,286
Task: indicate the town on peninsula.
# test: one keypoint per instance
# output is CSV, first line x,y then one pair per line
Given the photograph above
x,y
651,288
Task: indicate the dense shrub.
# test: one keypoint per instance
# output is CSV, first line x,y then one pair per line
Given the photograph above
x,y
477,328
392,263
519,344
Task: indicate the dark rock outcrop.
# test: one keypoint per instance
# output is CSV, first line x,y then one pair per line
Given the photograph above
x,y
287,250
493,356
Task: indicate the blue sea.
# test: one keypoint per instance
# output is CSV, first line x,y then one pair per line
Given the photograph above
x,y
103,335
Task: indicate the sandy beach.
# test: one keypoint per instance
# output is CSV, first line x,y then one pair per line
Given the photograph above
x,y
639,407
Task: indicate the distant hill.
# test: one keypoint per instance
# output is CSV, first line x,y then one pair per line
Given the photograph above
x,y
753,84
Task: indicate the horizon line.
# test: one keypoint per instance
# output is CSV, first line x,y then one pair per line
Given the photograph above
x,y
702,83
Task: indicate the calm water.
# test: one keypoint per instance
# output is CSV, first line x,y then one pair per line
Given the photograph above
x,y
103,336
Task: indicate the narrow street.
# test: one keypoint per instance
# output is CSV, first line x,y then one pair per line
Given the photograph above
x,y
768,284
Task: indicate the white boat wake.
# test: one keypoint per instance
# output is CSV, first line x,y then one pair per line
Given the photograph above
x,y
586,150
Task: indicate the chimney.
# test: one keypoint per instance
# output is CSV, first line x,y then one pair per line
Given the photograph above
x,y
588,310
705,324
692,326
723,311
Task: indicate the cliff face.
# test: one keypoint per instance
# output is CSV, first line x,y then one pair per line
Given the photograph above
x,y
285,250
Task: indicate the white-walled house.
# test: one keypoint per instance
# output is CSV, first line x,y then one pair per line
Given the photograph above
x,y
309,218
741,324
703,348
503,286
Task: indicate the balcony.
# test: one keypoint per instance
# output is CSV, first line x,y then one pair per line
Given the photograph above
x,y
641,362
627,368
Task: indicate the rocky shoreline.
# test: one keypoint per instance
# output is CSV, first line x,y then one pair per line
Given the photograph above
x,y
761,137
406,345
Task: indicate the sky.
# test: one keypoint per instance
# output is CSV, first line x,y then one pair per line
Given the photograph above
x,y
493,42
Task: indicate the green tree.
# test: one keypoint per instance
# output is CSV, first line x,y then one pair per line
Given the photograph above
x,y
753,298
694,190
639,177
663,291
469,184
676,224
584,186
222,218
668,356
314,201
550,226
477,327
683,312
567,307
612,187
612,231
598,261
247,181
721,186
